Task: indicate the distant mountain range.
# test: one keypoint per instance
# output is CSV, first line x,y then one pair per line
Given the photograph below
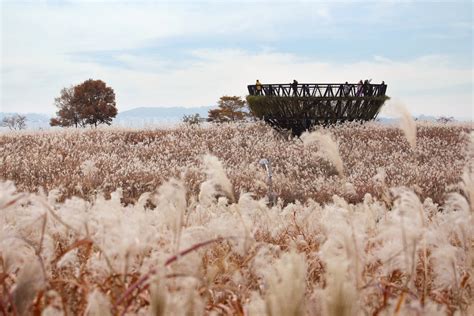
x,y
144,116
162,116
137,117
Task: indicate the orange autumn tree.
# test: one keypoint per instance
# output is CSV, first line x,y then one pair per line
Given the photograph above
x,y
230,109
89,103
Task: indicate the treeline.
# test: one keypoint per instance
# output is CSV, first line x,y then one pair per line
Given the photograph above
x,y
93,102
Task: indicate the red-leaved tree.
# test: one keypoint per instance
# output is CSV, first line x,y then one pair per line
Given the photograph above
x,y
89,103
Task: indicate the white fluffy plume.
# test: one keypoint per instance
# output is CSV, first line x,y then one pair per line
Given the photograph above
x,y
407,124
217,182
328,148
286,286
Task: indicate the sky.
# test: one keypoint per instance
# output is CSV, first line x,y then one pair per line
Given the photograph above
x,y
190,53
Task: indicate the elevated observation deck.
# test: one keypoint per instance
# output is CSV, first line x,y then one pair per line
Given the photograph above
x,y
301,106
320,90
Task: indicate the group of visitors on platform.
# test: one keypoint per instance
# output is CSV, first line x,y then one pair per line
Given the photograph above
x,y
363,88
294,86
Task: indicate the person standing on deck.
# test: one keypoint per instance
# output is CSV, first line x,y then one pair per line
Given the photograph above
x,y
258,87
382,88
294,85
359,88
346,89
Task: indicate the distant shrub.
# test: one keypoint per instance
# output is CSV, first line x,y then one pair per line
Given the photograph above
x,y
445,119
192,119
14,122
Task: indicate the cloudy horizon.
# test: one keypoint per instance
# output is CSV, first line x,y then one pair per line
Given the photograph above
x,y
191,53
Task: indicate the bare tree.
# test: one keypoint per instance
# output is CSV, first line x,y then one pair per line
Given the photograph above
x,y
445,119
192,119
14,122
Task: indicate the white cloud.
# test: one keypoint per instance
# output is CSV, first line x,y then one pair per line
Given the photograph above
x,y
424,83
42,45
93,26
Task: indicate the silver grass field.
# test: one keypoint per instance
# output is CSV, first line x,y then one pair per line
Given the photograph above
x,y
367,220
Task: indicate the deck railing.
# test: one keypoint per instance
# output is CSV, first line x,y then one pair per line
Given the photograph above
x,y
323,90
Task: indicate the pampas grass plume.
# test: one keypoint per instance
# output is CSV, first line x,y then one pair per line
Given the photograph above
x,y
217,182
407,124
328,148
340,294
30,281
158,298
286,286
97,304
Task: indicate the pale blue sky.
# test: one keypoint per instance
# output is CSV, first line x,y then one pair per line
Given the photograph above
x,y
189,53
